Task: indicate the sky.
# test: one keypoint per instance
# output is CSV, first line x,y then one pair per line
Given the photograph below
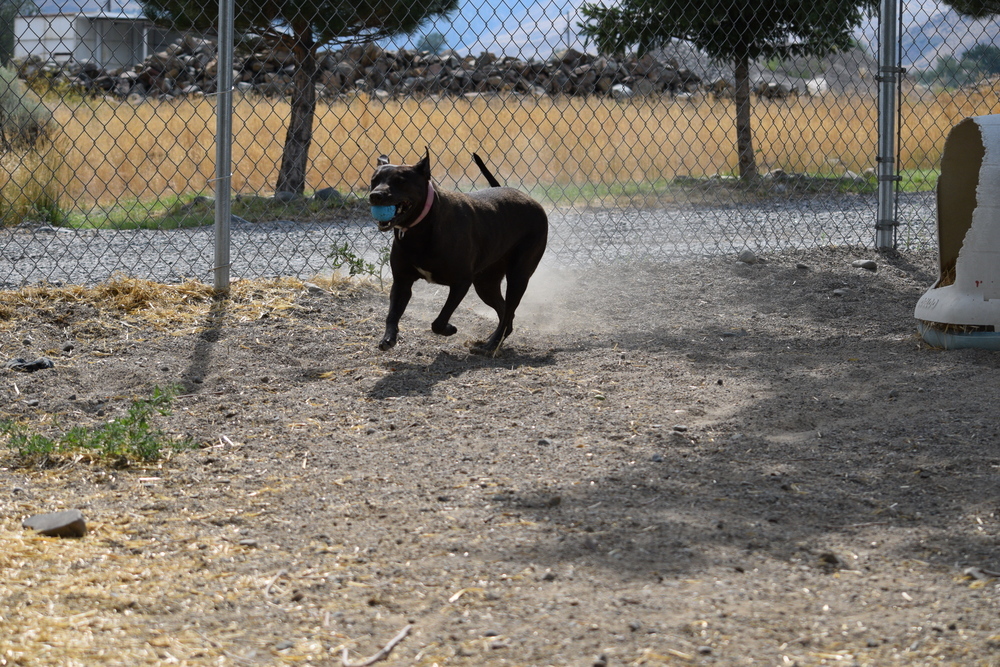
x,y
534,29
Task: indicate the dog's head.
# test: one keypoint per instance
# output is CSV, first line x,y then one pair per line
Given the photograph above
x,y
401,186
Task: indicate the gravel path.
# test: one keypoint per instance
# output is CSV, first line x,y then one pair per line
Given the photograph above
x,y
578,237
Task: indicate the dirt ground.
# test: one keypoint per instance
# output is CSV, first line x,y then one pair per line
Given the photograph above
x,y
704,462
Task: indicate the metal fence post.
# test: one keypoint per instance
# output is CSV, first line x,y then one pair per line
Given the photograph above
x,y
888,118
224,146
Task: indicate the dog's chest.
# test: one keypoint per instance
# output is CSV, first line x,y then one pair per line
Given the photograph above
x,y
425,274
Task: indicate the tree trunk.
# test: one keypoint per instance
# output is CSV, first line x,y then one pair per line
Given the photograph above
x,y
744,134
295,157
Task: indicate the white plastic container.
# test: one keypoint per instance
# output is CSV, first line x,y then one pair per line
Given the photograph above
x,y
962,309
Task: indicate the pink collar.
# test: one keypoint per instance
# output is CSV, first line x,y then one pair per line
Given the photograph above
x,y
423,214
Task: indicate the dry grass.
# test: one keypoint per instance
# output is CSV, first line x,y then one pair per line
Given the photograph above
x,y
104,152
163,306
156,150
83,602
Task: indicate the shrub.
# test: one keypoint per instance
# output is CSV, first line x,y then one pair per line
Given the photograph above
x,y
24,119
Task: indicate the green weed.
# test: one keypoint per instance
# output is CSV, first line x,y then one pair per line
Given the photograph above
x,y
130,438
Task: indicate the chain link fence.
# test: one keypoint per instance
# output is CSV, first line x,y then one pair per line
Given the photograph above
x,y
108,133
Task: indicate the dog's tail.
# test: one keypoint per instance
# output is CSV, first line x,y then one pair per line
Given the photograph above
x,y
494,183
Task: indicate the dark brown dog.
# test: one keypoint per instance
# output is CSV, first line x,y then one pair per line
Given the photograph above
x,y
459,240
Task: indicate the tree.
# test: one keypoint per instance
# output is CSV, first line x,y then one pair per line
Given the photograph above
x,y
734,31
977,9
9,10
305,27
983,58
433,42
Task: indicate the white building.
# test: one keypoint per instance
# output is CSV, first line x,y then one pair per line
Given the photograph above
x,y
111,39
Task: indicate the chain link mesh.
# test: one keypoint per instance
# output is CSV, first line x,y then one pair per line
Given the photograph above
x,y
107,127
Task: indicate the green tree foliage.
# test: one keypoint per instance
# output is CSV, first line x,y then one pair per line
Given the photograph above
x,y
980,61
9,10
977,9
433,42
984,58
733,31
305,27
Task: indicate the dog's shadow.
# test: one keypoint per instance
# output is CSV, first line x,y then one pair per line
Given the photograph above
x,y
408,378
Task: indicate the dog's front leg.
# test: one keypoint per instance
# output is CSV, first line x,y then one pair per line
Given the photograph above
x,y
441,325
399,296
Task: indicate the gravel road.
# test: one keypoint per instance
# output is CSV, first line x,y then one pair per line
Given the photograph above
x,y
578,236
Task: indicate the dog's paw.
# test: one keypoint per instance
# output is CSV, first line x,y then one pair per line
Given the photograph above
x,y
484,349
445,329
387,344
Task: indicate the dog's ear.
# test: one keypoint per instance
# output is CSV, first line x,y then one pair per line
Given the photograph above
x,y
383,160
424,166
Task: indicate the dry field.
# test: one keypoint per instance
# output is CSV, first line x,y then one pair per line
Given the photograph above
x,y
104,152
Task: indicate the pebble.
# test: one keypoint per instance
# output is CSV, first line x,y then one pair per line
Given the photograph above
x,y
705,650
249,543
869,264
656,458
680,428
69,523
31,402
841,292
25,366
800,265
747,257
328,194
313,288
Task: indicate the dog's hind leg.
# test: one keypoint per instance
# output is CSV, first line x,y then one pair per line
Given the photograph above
x,y
518,274
441,325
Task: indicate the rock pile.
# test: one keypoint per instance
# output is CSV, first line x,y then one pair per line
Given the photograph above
x,y
190,66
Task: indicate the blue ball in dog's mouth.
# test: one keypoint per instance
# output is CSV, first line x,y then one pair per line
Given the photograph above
x,y
383,213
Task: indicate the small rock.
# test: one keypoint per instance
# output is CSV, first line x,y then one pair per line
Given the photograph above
x,y
58,524
328,194
554,501
656,458
24,366
831,561
635,626
705,650
841,292
801,266
869,264
313,288
250,543
285,197
601,661
747,257
544,442
680,428
549,576
283,645
621,92
68,347
31,402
